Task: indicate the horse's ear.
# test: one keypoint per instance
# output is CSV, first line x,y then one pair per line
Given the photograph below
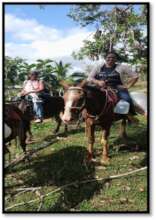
x,y
82,83
64,84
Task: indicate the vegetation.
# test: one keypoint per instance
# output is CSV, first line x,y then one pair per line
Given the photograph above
x,y
17,70
118,27
64,162
59,169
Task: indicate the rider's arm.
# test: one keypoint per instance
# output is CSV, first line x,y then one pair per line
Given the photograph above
x,y
41,86
130,75
92,76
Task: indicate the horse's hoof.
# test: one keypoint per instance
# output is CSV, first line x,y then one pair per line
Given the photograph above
x,y
105,161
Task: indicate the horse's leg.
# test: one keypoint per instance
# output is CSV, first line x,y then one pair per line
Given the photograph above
x,y
58,121
23,143
65,128
91,139
78,124
104,141
123,133
22,135
86,129
6,150
30,136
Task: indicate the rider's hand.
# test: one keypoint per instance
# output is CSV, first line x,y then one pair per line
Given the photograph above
x,y
101,83
23,93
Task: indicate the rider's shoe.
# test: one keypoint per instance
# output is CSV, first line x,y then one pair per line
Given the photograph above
x,y
39,120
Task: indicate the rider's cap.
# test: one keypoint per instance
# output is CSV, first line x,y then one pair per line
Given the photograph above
x,y
34,72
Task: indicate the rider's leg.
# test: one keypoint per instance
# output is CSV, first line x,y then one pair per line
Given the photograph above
x,y
124,94
38,109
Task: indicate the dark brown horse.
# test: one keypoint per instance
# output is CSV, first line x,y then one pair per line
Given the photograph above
x,y
16,124
52,107
97,108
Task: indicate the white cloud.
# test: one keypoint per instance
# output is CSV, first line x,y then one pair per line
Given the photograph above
x,y
28,29
32,40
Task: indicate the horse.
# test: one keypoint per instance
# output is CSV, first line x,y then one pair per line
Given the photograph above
x,y
52,107
97,108
15,125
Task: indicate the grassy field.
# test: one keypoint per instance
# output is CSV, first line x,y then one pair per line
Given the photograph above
x,y
50,170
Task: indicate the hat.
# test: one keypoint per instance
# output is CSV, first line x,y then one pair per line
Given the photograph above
x,y
34,72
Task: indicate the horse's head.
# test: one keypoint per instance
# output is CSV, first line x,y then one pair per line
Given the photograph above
x,y
74,101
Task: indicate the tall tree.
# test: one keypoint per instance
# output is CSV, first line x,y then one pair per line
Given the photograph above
x,y
15,70
61,70
119,27
76,77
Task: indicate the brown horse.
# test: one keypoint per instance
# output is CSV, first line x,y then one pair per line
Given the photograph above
x,y
16,124
52,107
97,108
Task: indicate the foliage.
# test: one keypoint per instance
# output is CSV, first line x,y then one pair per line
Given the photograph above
x,y
77,77
119,27
17,70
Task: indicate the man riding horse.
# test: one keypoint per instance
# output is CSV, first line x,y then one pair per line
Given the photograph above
x,y
111,74
97,103
44,105
32,87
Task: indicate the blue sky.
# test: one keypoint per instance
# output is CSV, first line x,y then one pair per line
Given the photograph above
x,y
55,15
33,33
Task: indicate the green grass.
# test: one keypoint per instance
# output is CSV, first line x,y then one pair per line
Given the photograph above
x,y
65,161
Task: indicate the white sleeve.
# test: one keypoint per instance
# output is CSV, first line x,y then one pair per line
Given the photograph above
x,y
94,72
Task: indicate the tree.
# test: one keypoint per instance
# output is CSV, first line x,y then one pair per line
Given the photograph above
x,y
15,70
120,28
76,77
61,70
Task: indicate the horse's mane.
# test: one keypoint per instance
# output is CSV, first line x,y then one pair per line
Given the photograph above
x,y
94,89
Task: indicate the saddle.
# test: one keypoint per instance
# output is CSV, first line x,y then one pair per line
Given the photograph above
x,y
111,95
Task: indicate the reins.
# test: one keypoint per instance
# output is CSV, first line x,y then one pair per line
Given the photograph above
x,y
111,99
108,103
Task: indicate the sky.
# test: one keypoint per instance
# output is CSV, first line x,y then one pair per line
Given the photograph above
x,y
34,33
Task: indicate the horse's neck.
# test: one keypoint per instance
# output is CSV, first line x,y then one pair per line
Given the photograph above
x,y
95,100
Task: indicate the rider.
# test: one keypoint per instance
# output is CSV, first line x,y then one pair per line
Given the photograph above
x,y
32,87
111,74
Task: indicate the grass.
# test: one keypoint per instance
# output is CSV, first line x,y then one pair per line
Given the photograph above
x,y
65,161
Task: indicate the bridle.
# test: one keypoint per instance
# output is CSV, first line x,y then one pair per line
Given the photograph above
x,y
107,105
79,108
108,102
